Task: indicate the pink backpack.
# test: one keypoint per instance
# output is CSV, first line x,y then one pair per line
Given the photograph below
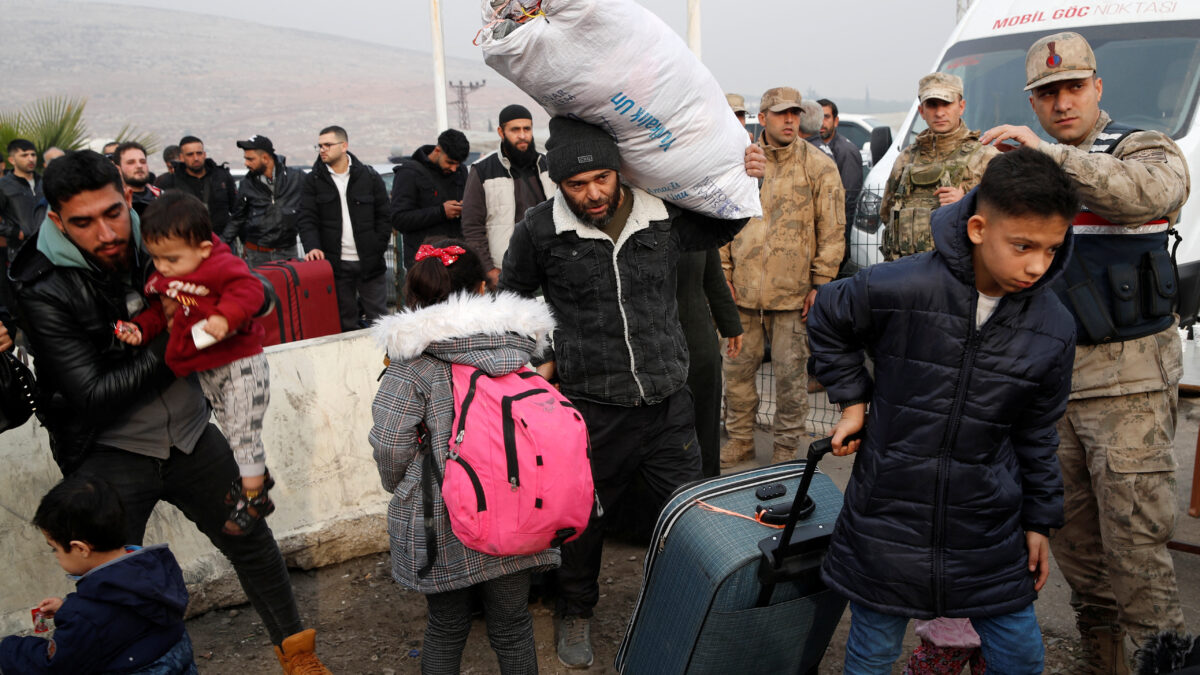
x,y
518,478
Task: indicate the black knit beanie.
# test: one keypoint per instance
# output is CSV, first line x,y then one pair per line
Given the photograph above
x,y
514,112
575,147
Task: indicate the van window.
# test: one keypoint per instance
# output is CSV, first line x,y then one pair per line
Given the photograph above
x,y
1150,71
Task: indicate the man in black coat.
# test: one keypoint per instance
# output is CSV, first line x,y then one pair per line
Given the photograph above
x,y
208,181
24,207
116,411
427,192
604,255
345,218
268,200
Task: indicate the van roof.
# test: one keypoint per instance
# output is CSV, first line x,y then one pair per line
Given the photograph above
x,y
989,18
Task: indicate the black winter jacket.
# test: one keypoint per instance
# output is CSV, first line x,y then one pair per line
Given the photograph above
x,y
22,210
960,454
320,220
264,218
618,338
92,377
419,188
216,189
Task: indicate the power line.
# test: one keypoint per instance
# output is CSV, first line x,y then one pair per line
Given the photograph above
x,y
462,90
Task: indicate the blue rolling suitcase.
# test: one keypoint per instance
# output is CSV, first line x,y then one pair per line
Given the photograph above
x,y
720,594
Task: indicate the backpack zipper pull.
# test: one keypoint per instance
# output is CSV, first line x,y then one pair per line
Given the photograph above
x,y
459,438
512,484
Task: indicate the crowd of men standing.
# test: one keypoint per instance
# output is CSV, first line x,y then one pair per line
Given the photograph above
x,y
1117,435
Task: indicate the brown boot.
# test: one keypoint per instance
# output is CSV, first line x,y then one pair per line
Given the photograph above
x,y
735,451
783,453
1102,651
298,654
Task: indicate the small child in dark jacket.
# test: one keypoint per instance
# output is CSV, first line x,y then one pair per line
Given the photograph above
x,y
126,614
957,483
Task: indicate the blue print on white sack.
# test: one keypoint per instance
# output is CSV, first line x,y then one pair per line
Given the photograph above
x,y
643,119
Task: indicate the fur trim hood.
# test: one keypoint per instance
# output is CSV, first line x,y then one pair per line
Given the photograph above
x,y
407,334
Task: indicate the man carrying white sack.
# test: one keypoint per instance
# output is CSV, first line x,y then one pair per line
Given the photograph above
x,y
604,254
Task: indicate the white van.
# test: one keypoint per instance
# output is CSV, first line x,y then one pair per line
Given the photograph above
x,y
1148,54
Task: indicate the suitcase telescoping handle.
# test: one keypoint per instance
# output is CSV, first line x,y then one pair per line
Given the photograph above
x,y
783,559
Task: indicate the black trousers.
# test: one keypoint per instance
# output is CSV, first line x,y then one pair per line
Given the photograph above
x,y
196,484
657,441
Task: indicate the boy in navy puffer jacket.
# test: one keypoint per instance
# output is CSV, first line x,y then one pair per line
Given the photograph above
x,y
126,614
957,482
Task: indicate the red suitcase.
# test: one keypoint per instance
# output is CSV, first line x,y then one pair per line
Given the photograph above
x,y
307,301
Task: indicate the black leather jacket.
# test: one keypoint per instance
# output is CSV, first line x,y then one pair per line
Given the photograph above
x,y
266,219
216,189
618,339
86,377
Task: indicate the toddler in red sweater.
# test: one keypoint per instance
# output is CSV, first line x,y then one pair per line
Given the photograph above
x,y
206,297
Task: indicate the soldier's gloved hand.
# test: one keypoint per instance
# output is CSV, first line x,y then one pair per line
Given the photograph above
x,y
1022,135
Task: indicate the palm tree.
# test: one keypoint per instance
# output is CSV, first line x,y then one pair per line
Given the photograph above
x,y
57,121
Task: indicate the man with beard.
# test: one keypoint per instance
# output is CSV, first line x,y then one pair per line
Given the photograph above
x,y
427,192
501,187
604,255
264,215
848,157
345,217
22,188
208,181
117,412
131,159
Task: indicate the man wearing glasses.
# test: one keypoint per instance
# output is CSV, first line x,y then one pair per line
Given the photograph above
x,y
264,214
345,217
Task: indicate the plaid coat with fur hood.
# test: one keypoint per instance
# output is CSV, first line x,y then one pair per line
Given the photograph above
x,y
494,333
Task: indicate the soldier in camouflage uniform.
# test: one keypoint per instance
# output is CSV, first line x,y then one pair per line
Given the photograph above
x,y
941,166
1117,438
774,266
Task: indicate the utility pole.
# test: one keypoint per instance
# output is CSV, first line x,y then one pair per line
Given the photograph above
x,y
439,67
693,27
461,90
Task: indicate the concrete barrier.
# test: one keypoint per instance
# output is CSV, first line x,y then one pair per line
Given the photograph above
x,y
330,504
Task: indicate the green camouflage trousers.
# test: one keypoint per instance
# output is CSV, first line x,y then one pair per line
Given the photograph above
x,y
789,357
1118,465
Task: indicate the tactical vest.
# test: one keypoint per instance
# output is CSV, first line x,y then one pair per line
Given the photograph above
x,y
908,230
1120,283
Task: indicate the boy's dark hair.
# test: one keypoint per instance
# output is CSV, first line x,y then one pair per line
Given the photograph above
x,y
125,147
1025,182
430,281
170,154
336,131
454,143
83,508
79,171
177,215
19,144
189,139
832,106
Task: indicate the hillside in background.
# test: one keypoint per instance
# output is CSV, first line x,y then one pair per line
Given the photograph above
x,y
173,73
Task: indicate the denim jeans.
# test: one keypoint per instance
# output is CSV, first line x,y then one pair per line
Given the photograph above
x,y
1012,643
196,483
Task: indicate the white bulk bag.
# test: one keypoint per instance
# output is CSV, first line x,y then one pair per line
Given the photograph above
x,y
615,64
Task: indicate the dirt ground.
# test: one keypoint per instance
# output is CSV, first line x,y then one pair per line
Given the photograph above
x,y
366,623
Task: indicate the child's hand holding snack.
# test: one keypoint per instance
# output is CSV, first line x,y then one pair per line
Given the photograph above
x,y
217,326
128,332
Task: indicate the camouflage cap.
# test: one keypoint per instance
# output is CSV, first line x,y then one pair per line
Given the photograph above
x,y
779,99
942,86
737,102
1062,56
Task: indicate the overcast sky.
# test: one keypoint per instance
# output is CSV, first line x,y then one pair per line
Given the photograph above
x,y
838,49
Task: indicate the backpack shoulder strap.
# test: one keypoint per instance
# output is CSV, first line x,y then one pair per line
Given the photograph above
x,y
429,474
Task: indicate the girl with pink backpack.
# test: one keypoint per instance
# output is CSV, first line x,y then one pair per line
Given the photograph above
x,y
450,319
